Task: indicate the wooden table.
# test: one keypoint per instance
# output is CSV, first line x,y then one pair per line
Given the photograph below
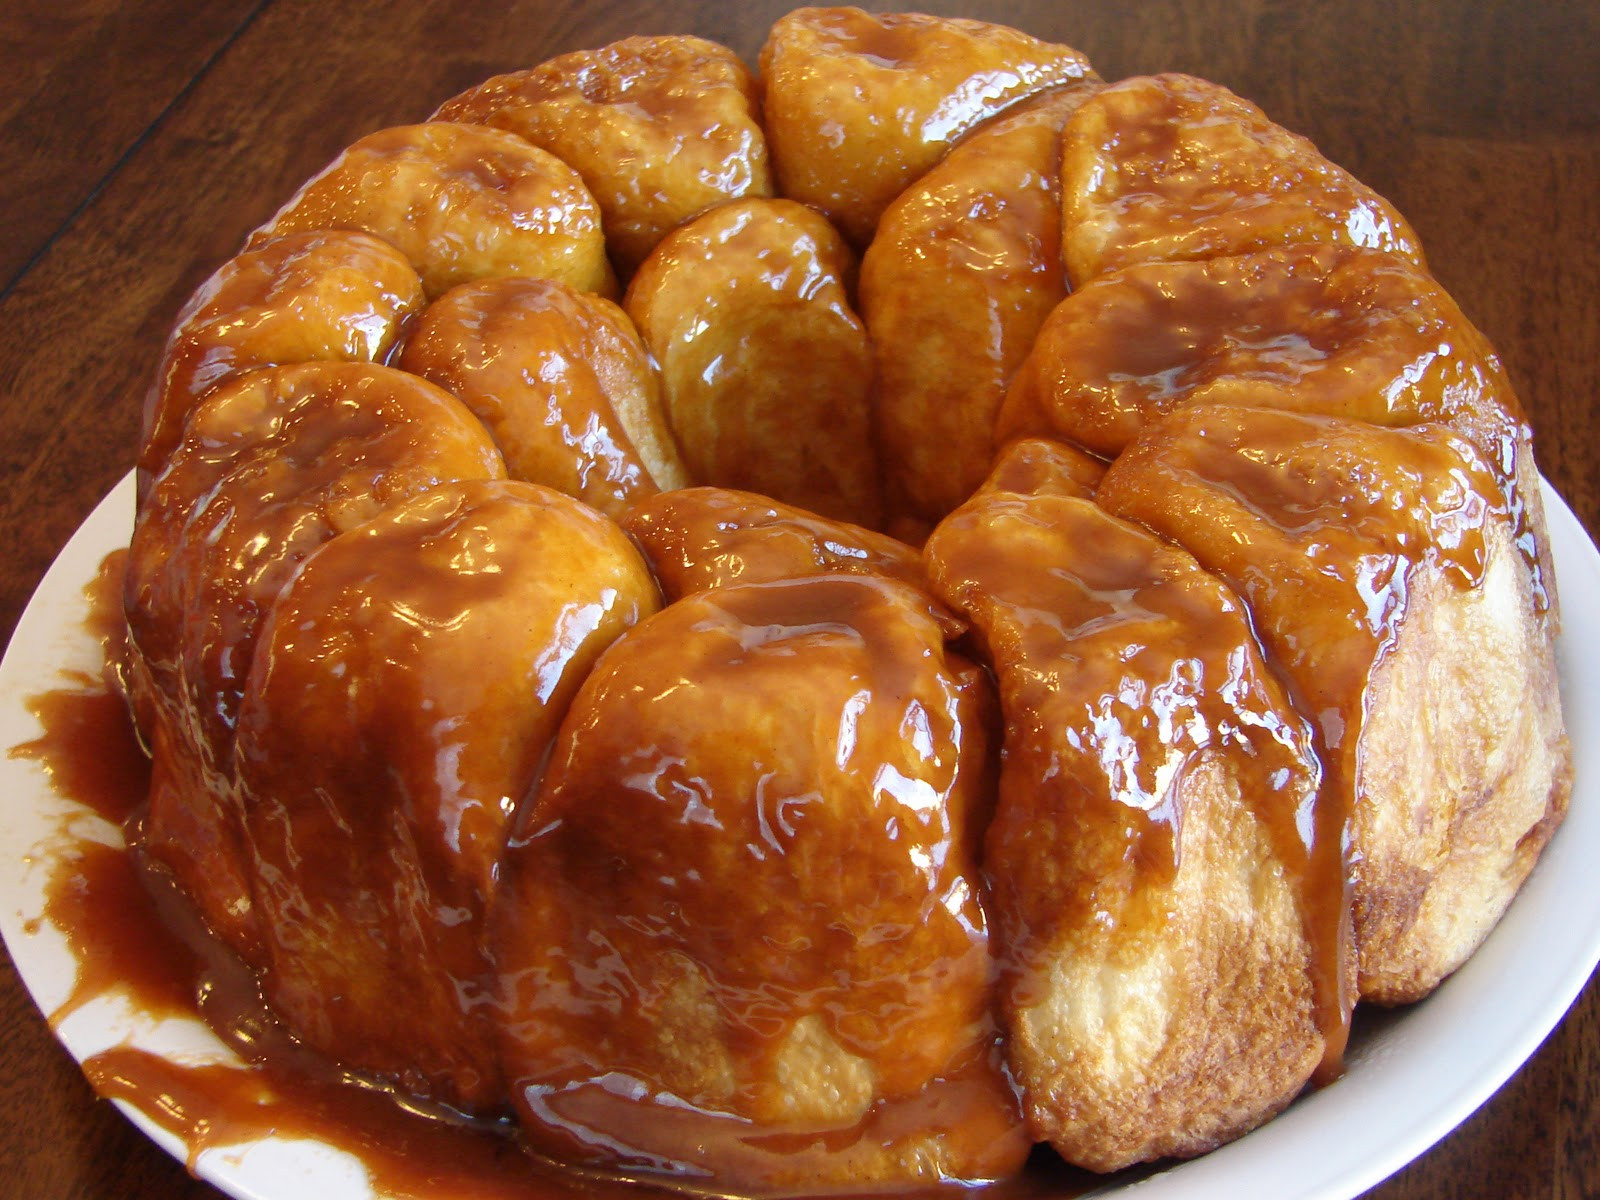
x,y
142,140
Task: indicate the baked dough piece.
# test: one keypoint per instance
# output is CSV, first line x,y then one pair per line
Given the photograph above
x,y
304,297
562,382
1169,167
274,463
864,1055
1329,329
857,104
460,202
660,128
964,269
408,685
1169,936
1382,571
702,538
765,369
1039,466
739,926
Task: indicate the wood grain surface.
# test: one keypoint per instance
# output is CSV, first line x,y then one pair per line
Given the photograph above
x,y
142,140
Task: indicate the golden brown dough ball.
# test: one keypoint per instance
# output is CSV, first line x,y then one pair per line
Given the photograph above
x,y
1171,946
460,202
1040,466
965,266
1169,167
765,367
859,104
660,128
702,538
562,382
1337,330
740,928
276,462
408,684
1381,568
304,297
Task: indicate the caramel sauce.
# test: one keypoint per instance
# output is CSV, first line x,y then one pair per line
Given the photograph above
x,y
134,933
94,897
696,977
157,952
1320,524
1129,662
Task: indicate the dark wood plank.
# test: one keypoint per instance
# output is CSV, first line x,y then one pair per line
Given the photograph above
x,y
1535,1138
85,80
1481,120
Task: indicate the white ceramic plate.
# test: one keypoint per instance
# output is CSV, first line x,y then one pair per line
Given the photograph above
x,y
1412,1076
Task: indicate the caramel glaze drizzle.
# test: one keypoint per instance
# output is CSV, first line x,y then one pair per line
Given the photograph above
x,y
93,898
134,933
1120,662
130,933
813,859
1337,330
1320,524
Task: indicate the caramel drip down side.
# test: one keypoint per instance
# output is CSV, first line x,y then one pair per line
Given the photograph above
x,y
1321,525
1131,685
